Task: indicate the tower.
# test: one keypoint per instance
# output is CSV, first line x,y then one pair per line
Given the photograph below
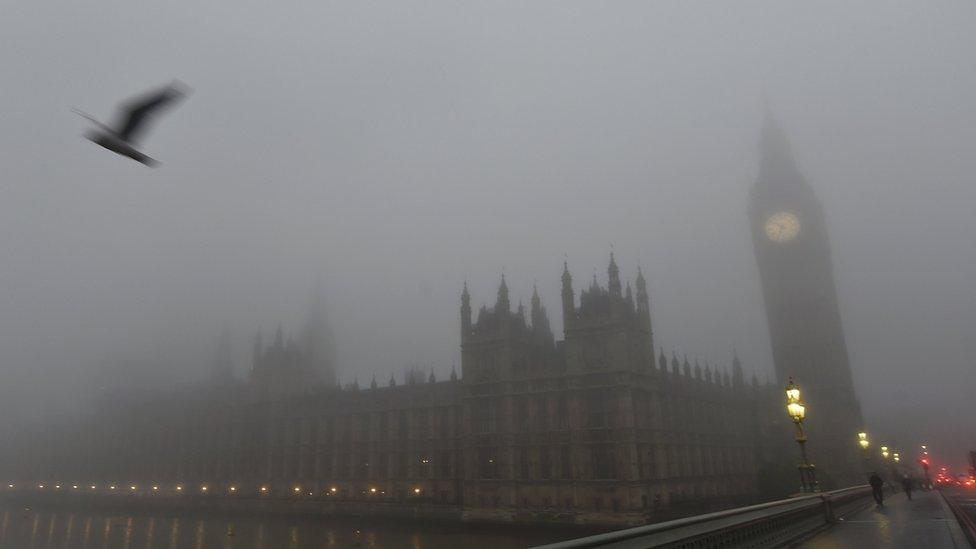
x,y
789,236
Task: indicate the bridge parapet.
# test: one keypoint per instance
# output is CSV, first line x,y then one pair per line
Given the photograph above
x,y
772,524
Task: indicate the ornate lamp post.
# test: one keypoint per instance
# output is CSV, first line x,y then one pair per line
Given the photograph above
x,y
864,443
797,411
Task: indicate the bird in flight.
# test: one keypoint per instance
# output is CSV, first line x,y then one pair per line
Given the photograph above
x,y
134,118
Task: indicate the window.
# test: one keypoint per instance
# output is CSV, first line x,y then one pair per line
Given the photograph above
x,y
562,412
423,423
542,414
444,464
524,466
487,463
565,463
603,461
599,408
402,426
522,414
545,464
481,415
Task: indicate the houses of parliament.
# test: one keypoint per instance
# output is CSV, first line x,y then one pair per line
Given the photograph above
x,y
598,426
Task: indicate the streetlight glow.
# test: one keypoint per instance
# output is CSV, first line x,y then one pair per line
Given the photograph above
x,y
862,439
792,391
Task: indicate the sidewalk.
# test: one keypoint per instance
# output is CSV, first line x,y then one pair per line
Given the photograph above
x,y
925,521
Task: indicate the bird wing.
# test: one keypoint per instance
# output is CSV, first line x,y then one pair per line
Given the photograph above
x,y
136,113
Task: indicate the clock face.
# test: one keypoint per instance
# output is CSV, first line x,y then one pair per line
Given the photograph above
x,y
782,227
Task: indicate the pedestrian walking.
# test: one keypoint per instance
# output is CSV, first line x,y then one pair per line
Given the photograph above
x,y
906,483
876,488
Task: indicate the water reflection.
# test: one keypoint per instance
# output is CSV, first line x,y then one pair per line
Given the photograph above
x,y
37,528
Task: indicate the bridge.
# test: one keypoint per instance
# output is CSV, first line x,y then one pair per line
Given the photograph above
x,y
829,520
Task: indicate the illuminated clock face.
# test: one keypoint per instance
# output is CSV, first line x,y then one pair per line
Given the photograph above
x,y
782,227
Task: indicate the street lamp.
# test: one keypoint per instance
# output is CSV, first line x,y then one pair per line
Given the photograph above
x,y
884,452
797,411
864,443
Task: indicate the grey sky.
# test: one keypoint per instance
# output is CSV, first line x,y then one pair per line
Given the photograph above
x,y
395,149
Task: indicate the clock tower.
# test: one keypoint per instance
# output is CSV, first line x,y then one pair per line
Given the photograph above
x,y
789,236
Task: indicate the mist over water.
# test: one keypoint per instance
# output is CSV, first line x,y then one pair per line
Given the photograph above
x,y
391,152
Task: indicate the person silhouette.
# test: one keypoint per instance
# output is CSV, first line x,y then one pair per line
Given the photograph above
x,y
876,488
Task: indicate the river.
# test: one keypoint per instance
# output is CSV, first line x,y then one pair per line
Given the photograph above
x,y
35,527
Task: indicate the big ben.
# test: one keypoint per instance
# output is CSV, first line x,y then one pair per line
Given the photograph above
x,y
789,236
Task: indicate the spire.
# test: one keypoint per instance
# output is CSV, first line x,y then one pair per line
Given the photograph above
x,y
279,340
502,304
355,383
674,363
453,373
686,367
569,302
738,380
777,163
431,378
256,350
662,361
465,310
392,382
629,295
222,368
372,384
698,370
613,273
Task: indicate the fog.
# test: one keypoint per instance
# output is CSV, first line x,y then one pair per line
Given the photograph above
x,y
389,152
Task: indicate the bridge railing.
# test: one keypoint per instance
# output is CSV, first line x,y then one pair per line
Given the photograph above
x,y
770,524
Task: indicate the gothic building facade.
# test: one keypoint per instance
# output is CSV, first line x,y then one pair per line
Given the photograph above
x,y
592,428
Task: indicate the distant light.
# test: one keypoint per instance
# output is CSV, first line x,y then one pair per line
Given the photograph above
x,y
333,489
179,488
57,487
10,486
372,490
111,487
297,489
203,488
233,488
40,486
74,486
92,486
264,488
133,487
416,490
155,488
